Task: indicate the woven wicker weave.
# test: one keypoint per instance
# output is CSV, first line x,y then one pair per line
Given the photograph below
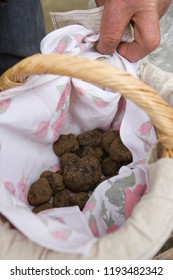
x,y
160,113
103,74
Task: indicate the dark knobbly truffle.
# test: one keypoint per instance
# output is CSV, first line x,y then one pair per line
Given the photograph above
x,y
55,180
62,199
107,139
94,152
110,167
42,207
90,138
39,192
86,160
83,174
79,199
68,158
118,151
65,143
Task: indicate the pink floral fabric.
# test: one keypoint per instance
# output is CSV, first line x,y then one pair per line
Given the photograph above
x,y
31,119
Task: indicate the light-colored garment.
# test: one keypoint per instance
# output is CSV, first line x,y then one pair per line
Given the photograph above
x,y
162,57
91,4
161,81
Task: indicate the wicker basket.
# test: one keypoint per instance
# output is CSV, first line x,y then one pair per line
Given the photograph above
x,y
105,75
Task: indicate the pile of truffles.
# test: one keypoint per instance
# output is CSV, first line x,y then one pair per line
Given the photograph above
x,y
86,160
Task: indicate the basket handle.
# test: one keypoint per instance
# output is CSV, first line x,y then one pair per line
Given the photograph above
x,y
93,71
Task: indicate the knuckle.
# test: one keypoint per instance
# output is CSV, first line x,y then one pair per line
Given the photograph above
x,y
152,42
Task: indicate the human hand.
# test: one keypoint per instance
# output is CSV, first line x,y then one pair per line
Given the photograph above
x,y
144,16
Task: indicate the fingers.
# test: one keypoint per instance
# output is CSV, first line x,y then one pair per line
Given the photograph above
x,y
112,26
116,16
147,37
